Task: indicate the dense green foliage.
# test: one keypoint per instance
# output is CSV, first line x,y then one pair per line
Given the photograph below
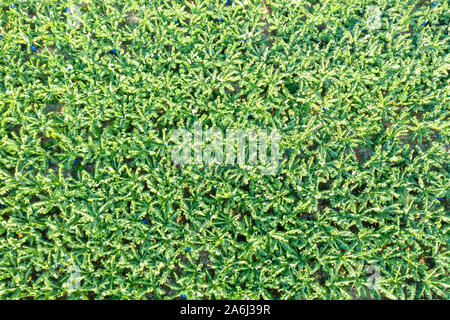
x,y
88,104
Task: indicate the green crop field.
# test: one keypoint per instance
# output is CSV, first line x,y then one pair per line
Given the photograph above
x,y
92,206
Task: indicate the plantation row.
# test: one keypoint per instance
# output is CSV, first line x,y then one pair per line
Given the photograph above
x,y
93,205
